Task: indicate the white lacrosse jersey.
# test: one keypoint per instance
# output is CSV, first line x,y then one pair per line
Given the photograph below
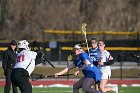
x,y
26,60
105,70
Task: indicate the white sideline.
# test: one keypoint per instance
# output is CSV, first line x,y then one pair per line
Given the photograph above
x,y
61,85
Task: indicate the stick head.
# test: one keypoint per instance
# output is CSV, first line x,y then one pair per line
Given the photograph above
x,y
84,28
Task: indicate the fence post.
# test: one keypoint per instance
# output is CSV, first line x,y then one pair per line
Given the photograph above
x,y
60,54
138,45
121,70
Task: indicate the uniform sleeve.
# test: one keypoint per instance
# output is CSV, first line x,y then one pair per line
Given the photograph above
x,y
75,62
32,54
104,57
109,60
4,60
83,56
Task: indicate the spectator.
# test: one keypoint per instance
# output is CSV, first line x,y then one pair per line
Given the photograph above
x,y
8,62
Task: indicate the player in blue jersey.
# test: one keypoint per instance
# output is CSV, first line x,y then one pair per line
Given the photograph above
x,y
94,51
85,65
94,54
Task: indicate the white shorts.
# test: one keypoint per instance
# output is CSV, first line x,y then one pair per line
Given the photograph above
x,y
105,73
105,76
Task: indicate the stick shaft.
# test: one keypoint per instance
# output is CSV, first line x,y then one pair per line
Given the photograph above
x,y
58,75
87,45
41,77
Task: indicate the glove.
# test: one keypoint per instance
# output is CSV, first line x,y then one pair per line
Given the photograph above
x,y
40,54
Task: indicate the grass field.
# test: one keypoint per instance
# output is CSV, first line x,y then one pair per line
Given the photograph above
x,y
69,90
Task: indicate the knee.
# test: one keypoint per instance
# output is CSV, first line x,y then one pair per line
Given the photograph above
x,y
74,86
84,89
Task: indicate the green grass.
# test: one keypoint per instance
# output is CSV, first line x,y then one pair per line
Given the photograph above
x,y
69,90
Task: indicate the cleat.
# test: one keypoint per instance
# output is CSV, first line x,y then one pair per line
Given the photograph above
x,y
115,89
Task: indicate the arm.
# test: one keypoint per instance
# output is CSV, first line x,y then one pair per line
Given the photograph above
x,y
65,70
86,62
110,62
106,60
42,58
39,58
4,60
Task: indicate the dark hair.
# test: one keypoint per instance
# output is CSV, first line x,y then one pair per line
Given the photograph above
x,y
94,38
102,41
13,42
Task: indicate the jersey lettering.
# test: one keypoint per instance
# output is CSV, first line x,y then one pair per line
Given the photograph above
x,y
20,58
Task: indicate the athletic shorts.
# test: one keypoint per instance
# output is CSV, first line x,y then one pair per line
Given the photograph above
x,y
105,74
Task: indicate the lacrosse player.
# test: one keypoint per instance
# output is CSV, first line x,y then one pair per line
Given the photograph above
x,y
94,51
104,65
85,65
26,62
94,54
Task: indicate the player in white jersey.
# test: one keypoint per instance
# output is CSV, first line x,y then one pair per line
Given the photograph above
x,y
26,62
104,65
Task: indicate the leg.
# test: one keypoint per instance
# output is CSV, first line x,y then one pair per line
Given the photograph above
x,y
23,84
97,87
25,87
105,76
13,86
7,86
78,85
20,78
15,90
23,81
87,86
102,85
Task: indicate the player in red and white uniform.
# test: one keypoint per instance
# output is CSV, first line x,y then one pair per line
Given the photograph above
x,y
26,62
104,65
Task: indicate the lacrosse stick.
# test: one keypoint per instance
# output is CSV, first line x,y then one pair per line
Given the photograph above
x,y
35,76
36,47
84,32
46,60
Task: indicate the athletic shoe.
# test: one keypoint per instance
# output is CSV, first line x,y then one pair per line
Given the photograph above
x,y
115,89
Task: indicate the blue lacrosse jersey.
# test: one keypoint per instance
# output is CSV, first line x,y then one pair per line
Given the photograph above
x,y
94,54
90,71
